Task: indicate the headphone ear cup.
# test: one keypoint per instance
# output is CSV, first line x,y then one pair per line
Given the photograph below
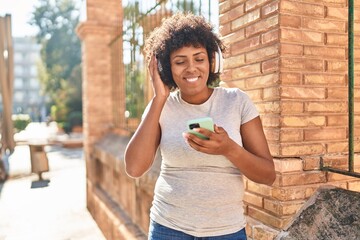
x,y
221,62
215,68
218,62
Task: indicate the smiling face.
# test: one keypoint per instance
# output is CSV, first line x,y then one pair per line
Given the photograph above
x,y
190,70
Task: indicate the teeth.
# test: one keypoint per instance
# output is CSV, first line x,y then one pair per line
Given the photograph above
x,y
192,79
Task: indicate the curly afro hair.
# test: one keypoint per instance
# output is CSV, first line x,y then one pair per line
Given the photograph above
x,y
176,32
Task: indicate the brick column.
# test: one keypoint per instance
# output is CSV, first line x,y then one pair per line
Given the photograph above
x,y
102,25
291,58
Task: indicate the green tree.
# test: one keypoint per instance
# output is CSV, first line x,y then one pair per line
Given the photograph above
x,y
135,100
60,74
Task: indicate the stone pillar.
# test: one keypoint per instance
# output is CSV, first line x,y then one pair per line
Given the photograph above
x,y
291,58
103,24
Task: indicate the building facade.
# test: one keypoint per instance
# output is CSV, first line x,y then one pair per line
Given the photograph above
x,y
28,98
289,56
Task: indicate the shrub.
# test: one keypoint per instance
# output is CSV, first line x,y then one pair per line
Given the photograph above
x,y
20,121
65,126
75,119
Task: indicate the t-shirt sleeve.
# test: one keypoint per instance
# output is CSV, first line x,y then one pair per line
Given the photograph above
x,y
248,109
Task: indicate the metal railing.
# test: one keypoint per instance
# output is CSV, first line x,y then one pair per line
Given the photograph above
x,y
138,21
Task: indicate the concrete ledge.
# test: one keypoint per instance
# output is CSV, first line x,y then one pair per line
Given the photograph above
x,y
119,204
119,224
331,213
72,143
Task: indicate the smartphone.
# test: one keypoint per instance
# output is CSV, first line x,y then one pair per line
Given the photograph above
x,y
205,122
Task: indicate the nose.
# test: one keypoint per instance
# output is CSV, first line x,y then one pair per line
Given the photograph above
x,y
191,66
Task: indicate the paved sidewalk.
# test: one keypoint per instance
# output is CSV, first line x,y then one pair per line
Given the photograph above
x,y
52,209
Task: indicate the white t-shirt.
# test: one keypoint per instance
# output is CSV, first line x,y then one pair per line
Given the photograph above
x,y
197,193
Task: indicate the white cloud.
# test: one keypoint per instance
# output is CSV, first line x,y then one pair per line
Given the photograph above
x,y
20,11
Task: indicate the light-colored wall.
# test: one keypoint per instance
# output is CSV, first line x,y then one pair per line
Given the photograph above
x,y
289,56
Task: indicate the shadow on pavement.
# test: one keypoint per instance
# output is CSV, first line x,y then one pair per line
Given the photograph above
x,y
40,183
4,170
1,187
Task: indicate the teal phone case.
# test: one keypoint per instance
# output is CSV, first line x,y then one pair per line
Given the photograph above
x,y
205,122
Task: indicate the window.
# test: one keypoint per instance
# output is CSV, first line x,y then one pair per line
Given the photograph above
x,y
33,97
18,83
18,97
34,83
18,57
33,71
19,70
34,57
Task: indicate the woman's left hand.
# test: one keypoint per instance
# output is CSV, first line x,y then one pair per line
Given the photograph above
x,y
218,143
253,159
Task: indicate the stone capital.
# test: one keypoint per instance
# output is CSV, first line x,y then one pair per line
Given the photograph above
x,y
90,28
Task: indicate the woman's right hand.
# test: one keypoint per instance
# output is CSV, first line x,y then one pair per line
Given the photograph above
x,y
160,89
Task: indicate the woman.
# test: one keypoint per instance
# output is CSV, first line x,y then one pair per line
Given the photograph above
x,y
200,188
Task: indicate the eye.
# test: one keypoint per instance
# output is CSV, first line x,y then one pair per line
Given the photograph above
x,y
200,59
179,63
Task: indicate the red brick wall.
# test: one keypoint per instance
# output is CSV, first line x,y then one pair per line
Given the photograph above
x,y
101,26
291,58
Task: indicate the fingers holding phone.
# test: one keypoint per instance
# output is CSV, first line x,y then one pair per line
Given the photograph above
x,y
204,136
199,133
